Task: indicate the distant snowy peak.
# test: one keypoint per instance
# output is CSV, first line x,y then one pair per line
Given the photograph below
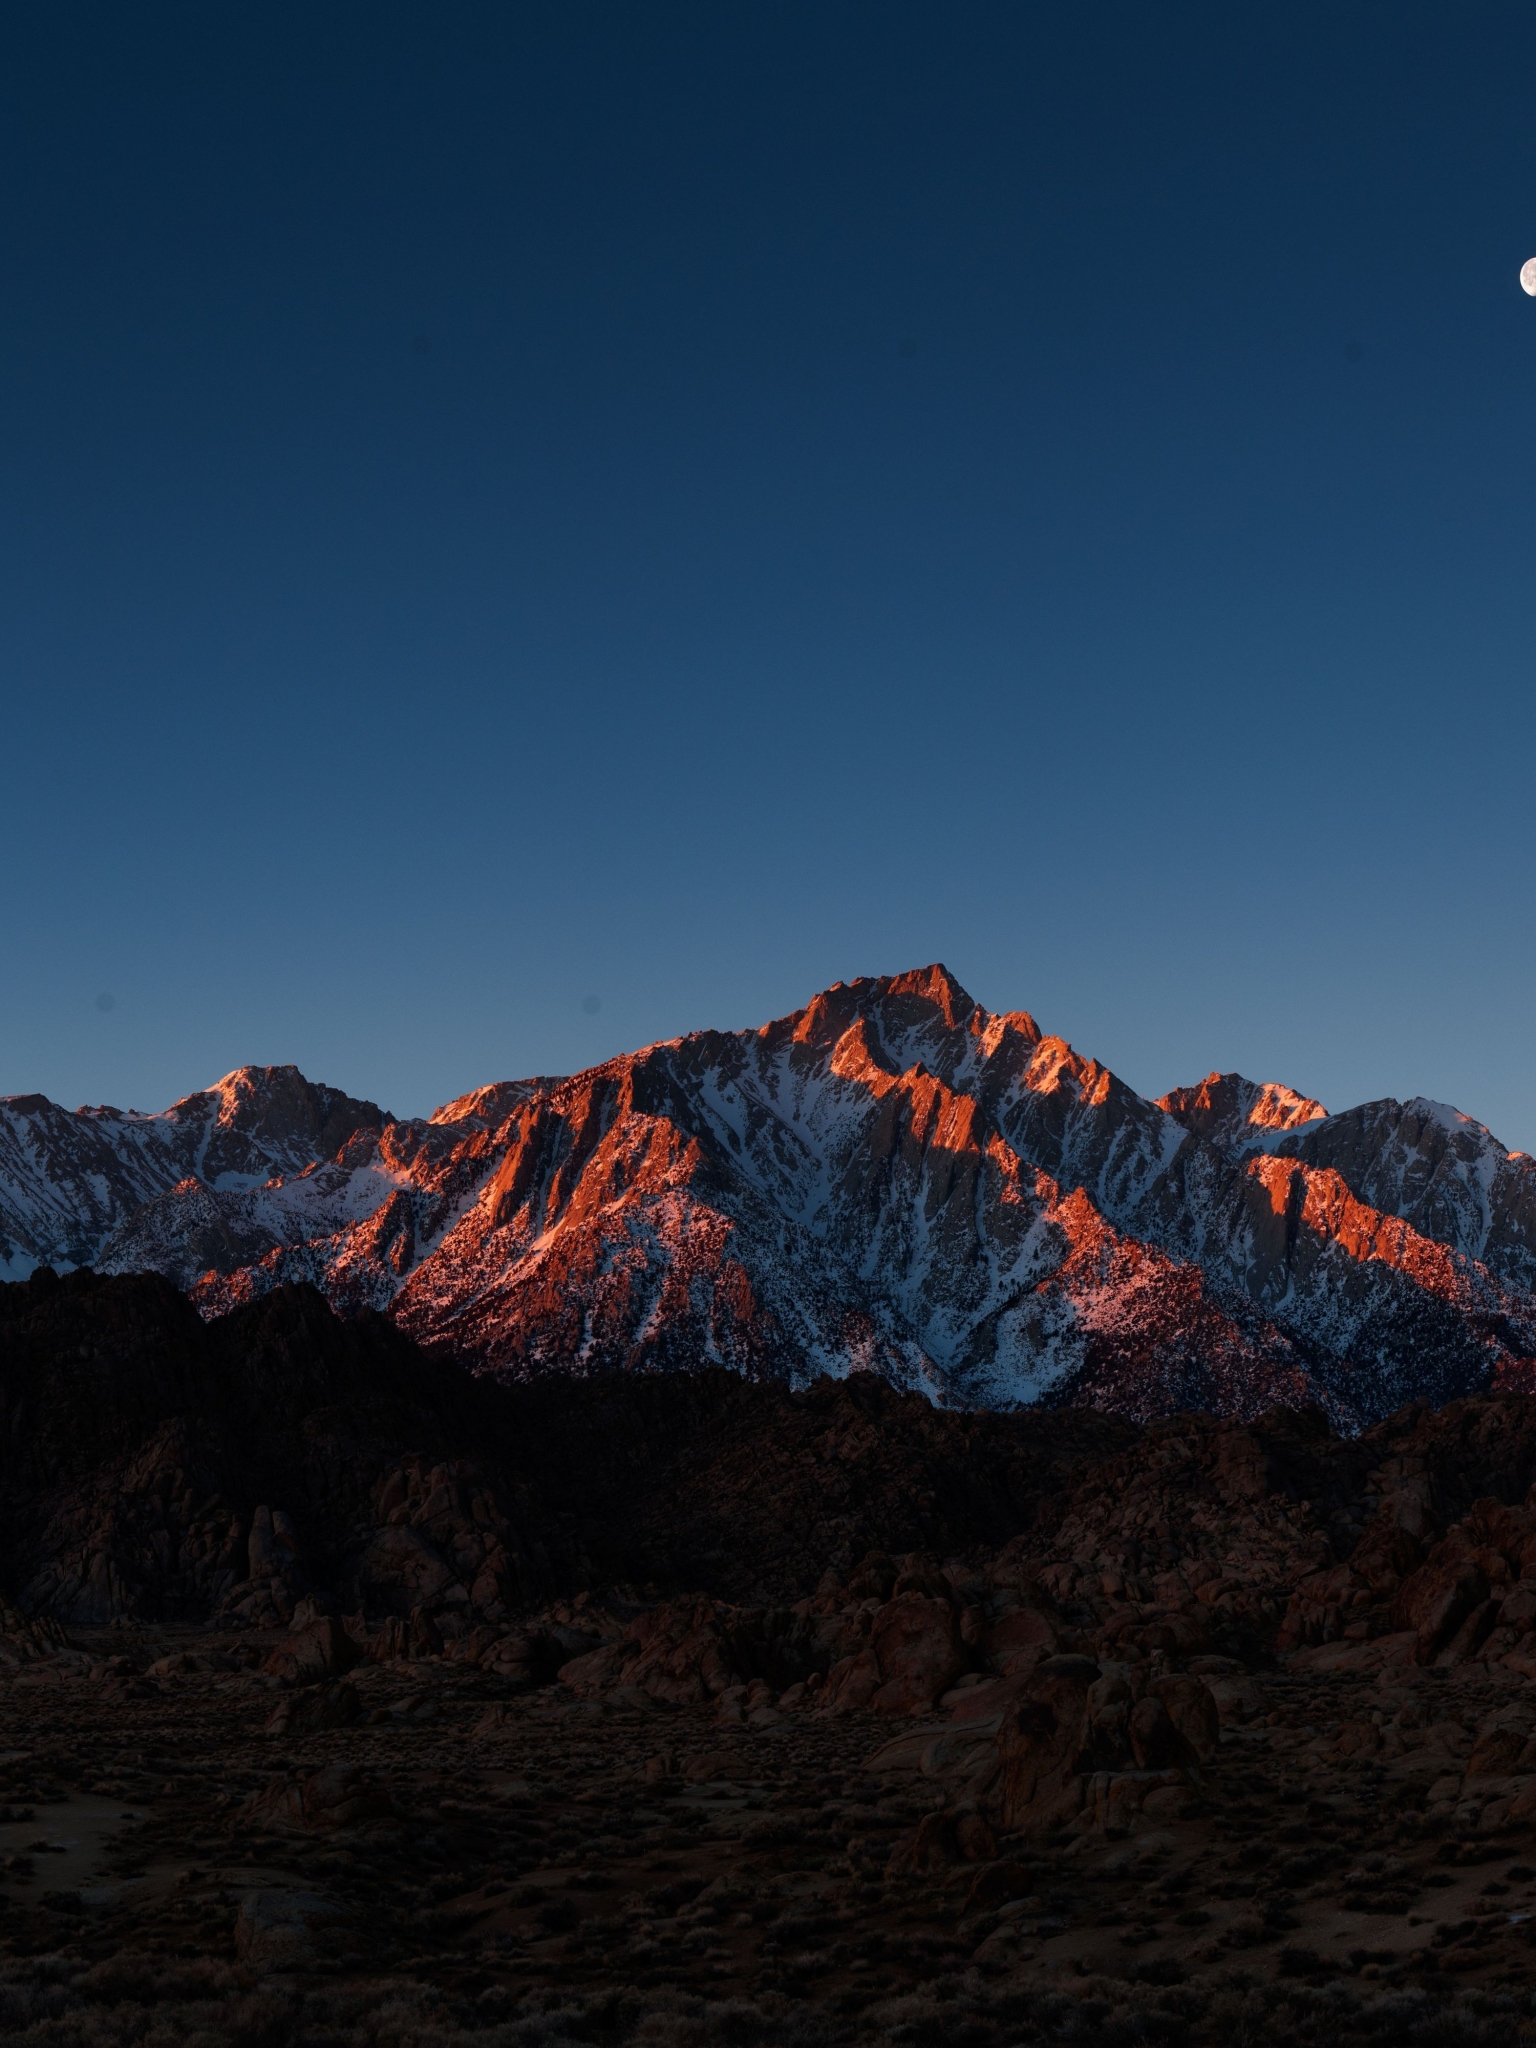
x,y
1241,1116
272,1118
69,1179
250,1124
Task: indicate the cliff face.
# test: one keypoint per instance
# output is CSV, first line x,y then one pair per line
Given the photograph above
x,y
891,1179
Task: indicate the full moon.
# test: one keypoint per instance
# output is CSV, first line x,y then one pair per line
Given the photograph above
x,y
1528,277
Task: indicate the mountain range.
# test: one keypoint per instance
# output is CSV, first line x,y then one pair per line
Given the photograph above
x,y
891,1179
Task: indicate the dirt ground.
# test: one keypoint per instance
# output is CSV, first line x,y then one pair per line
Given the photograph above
x,y
473,1863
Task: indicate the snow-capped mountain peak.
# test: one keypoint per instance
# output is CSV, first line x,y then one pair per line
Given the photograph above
x,y
891,1179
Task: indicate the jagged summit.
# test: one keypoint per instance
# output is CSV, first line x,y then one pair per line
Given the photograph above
x,y
889,1179
491,1104
930,989
1239,1115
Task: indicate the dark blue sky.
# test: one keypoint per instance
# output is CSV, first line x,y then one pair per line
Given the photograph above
x,y
504,506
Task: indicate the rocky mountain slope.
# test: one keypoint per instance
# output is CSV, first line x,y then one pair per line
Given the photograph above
x,y
892,1179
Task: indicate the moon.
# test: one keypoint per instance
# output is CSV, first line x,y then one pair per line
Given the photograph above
x,y
1528,277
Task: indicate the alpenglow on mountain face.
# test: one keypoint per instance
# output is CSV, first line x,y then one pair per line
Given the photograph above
x,y
890,1180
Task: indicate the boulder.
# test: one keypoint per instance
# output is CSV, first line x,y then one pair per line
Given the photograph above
x,y
317,1707
997,1885
1154,1739
1435,1600
1069,1723
339,1797
918,1651
403,1568
277,1930
853,1682
190,1664
1497,1752
1087,1742
597,1669
684,1653
1024,1629
942,1839
519,1658
321,1650
411,1637
272,1548
276,1579
914,1654
1195,1713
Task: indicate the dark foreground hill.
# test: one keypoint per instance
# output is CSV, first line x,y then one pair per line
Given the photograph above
x,y
346,1699
148,1455
145,1446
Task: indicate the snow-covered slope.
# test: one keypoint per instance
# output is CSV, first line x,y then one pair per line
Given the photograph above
x,y
891,1179
69,1179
